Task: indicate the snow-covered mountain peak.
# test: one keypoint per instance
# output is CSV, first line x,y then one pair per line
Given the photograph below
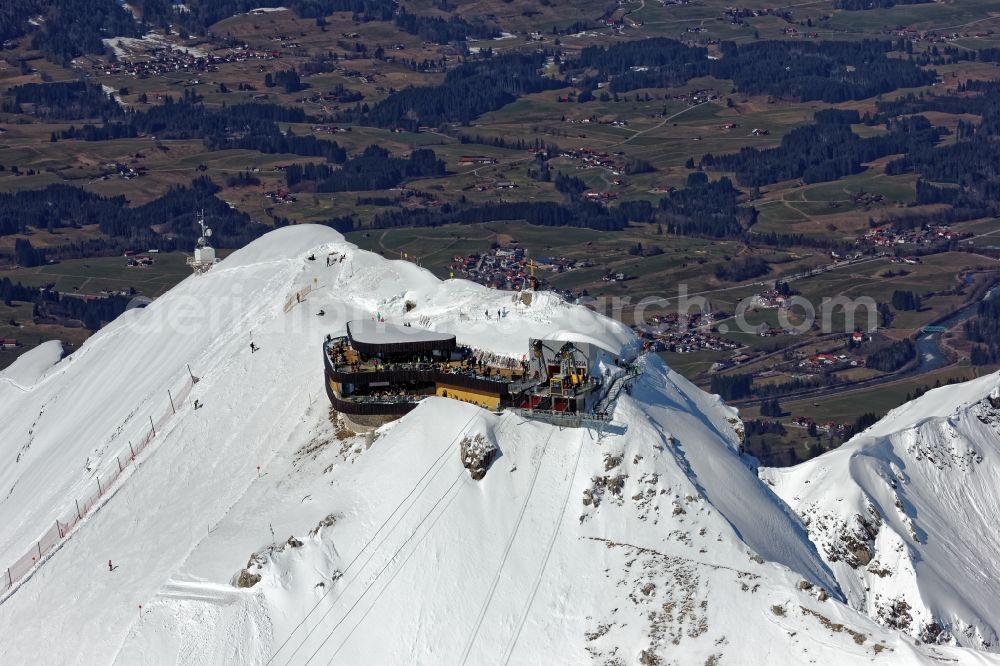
x,y
256,528
945,402
905,512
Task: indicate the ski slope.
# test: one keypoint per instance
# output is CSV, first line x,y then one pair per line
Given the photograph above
x,y
650,540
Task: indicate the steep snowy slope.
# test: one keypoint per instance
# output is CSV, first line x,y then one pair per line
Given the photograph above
x,y
906,515
651,540
28,368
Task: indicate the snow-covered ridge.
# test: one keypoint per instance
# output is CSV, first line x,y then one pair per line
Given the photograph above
x,y
29,367
905,514
647,541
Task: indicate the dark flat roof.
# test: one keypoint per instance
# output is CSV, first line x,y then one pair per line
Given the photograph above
x,y
370,336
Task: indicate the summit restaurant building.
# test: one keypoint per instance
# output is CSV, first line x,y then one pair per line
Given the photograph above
x,y
380,371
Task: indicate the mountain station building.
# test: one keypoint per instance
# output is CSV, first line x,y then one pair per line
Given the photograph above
x,y
380,371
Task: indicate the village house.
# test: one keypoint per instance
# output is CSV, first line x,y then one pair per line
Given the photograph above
x,y
770,299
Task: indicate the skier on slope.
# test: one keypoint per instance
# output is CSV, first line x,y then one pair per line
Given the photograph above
x,y
110,568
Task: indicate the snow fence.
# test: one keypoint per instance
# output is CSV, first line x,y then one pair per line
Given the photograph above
x,y
297,297
105,484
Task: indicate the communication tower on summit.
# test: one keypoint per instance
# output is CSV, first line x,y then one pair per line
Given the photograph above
x,y
204,254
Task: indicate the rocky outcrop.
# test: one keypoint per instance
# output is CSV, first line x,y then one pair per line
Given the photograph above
x,y
247,579
477,454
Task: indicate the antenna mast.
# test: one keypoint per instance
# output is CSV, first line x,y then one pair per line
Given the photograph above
x,y
204,255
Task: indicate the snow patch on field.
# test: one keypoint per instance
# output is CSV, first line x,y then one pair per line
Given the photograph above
x,y
131,47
